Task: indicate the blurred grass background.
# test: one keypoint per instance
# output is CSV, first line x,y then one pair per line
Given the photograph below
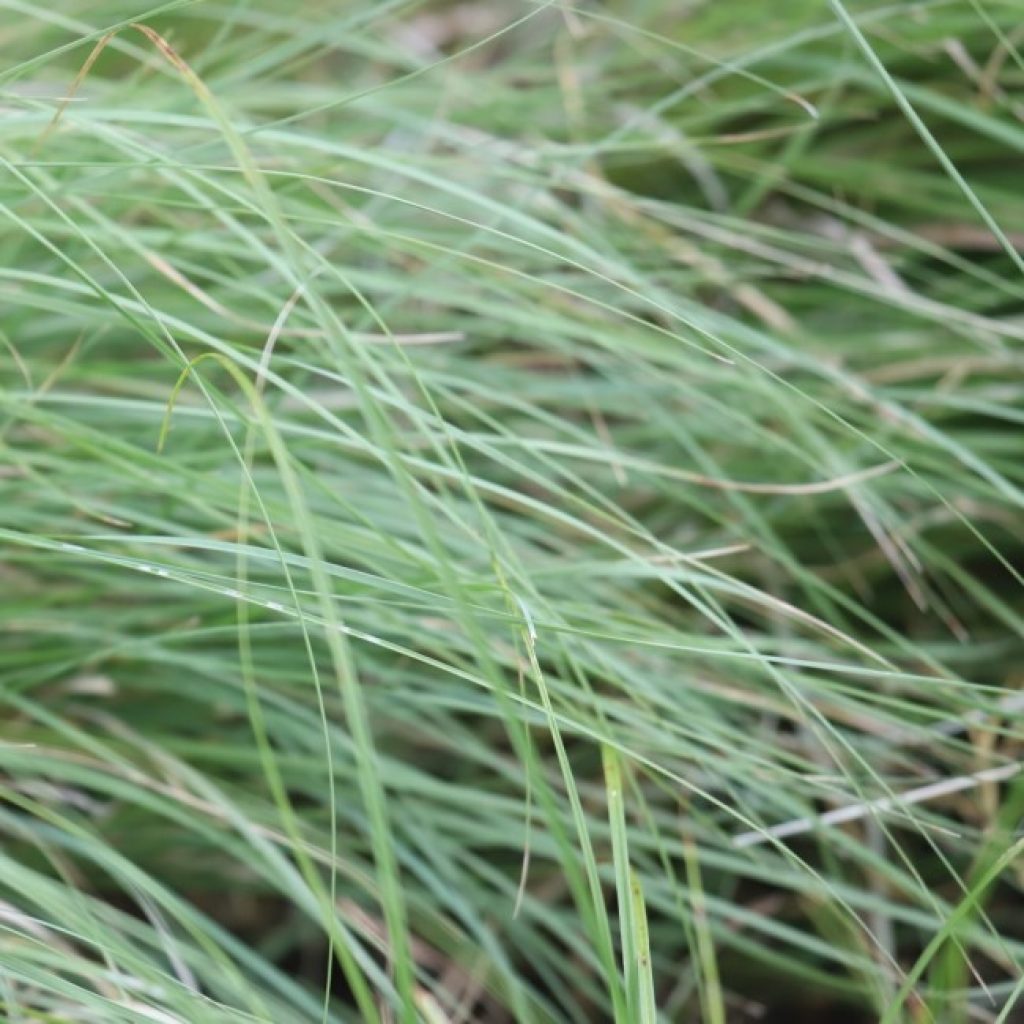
x,y
511,511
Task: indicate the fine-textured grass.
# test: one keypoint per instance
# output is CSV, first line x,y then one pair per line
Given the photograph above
x,y
511,511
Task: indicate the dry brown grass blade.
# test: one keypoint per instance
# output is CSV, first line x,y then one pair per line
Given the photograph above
x,y
100,46
165,48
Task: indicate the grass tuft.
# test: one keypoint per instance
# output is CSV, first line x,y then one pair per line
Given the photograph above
x,y
511,512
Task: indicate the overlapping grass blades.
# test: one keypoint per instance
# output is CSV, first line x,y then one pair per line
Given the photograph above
x,y
482,482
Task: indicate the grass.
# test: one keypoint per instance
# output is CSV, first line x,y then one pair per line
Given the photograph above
x,y
511,512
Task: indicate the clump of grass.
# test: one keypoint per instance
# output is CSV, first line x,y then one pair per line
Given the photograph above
x,y
511,512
